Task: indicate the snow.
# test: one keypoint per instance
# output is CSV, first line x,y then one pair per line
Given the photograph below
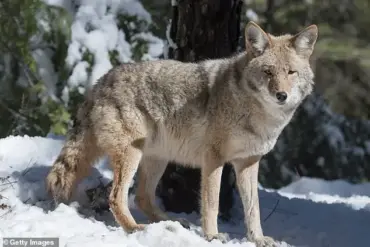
x,y
174,3
170,41
45,69
308,212
333,188
95,30
353,195
251,15
99,41
67,4
79,74
155,48
133,7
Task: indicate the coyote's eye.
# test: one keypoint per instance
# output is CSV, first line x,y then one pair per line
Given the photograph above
x,y
268,72
291,72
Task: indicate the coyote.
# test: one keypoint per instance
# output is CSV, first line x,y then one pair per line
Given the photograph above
x,y
204,114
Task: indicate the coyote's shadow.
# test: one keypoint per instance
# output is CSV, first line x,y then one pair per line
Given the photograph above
x,y
32,191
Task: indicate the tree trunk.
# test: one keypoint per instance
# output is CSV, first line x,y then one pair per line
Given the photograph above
x,y
200,29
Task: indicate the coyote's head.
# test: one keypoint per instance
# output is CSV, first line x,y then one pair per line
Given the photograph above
x,y
278,68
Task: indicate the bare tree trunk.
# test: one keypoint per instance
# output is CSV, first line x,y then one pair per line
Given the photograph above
x,y
201,29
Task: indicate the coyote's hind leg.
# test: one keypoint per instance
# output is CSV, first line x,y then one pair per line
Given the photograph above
x,y
150,172
124,163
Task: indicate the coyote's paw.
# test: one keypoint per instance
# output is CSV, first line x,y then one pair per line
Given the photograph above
x,y
265,242
136,228
223,237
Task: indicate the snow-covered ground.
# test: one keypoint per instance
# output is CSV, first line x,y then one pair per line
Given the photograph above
x,y
308,212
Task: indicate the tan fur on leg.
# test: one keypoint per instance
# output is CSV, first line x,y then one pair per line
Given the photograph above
x,y
247,180
149,174
125,163
210,189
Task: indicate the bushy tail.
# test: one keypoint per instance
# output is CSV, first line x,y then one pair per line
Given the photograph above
x,y
73,163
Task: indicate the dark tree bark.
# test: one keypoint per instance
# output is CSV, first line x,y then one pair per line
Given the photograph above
x,y
201,29
269,15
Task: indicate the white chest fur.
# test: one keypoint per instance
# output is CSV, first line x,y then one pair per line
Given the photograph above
x,y
257,140
249,145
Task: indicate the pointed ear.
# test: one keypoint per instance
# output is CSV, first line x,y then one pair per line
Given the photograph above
x,y
304,41
256,40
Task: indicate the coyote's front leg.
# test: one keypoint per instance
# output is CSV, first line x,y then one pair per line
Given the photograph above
x,y
210,190
247,180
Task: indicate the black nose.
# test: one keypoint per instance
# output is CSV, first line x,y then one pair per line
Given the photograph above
x,y
281,96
